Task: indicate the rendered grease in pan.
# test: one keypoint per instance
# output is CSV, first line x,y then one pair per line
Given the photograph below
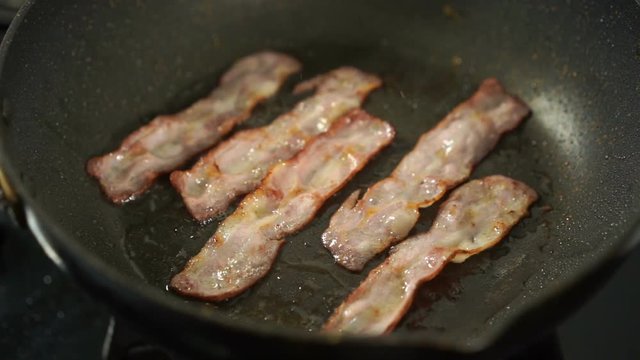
x,y
305,285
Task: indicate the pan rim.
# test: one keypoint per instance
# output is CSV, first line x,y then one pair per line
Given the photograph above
x,y
114,280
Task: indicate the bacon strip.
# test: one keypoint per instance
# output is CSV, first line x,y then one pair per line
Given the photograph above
x,y
236,166
170,140
246,244
442,158
475,217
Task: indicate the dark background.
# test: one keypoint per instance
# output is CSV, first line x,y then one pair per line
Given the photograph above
x,y
44,315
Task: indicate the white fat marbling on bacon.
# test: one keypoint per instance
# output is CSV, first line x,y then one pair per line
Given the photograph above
x,y
236,166
246,244
475,217
170,140
442,158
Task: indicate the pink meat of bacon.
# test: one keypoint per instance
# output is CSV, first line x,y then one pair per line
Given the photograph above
x,y
475,217
246,244
442,158
170,140
236,166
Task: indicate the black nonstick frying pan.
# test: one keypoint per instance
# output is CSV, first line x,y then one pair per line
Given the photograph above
x,y
77,76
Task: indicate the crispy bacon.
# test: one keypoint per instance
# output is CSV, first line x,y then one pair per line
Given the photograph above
x,y
236,166
170,140
442,158
246,244
475,217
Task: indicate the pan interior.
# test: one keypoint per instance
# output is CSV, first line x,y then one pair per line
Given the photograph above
x,y
80,77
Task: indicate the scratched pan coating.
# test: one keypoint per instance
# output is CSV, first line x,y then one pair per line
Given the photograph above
x,y
79,76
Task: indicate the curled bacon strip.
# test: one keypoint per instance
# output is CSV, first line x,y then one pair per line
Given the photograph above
x,y
246,244
236,166
170,140
475,217
442,158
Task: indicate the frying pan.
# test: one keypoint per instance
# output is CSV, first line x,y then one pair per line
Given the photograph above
x,y
77,76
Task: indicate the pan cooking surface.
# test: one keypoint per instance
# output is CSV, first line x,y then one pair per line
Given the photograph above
x,y
305,285
578,150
